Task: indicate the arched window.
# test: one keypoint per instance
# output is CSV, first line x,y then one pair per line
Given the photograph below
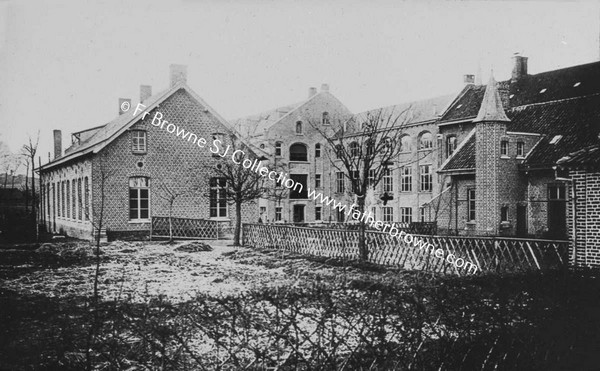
x,y
299,127
426,141
298,152
325,119
450,145
317,150
278,149
354,149
405,144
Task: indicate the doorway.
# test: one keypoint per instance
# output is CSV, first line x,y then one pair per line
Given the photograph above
x,y
557,212
298,211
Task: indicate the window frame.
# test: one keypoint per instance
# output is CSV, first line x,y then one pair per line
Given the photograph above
x,y
405,139
520,149
340,185
298,144
406,179
318,180
387,214
135,141
278,149
278,213
451,143
425,178
317,150
218,197
318,213
422,146
504,144
406,215
299,128
325,118
504,214
139,190
388,180
471,205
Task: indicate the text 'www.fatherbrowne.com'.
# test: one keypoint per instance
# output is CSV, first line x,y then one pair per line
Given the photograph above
x,y
238,156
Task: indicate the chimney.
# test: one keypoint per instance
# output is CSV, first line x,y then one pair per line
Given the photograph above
x,y
145,92
519,67
57,144
178,73
124,105
312,91
469,79
325,87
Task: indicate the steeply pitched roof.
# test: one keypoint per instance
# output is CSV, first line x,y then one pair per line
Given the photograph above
x,y
587,158
491,106
463,158
117,126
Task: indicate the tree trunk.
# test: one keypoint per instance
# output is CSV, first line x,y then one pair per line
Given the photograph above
x,y
171,221
238,223
363,249
27,188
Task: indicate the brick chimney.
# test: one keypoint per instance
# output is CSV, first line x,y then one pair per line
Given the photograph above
x,y
469,79
312,91
519,67
121,105
178,74
145,92
324,87
57,144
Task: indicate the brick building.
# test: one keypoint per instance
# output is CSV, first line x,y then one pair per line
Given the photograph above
x,y
502,179
584,207
132,165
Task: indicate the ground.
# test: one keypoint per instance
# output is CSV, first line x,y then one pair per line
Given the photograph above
x,y
191,305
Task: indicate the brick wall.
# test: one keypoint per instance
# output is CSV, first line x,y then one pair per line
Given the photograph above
x,y
584,219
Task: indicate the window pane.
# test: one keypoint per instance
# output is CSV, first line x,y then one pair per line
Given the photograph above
x,y
144,214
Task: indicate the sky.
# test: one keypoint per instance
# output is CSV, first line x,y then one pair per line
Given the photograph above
x,y
64,64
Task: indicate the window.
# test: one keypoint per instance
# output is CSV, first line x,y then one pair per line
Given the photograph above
x,y
556,192
426,141
371,179
58,199
299,190
370,147
278,211
74,199
218,197
405,144
339,182
338,150
139,205
278,149
317,150
86,186
471,204
220,138
317,180
406,214
340,215
374,213
388,181
62,199
504,147
325,119
299,127
318,213
54,195
450,145
354,149
406,179
422,213
520,149
68,198
79,200
388,214
504,214
426,178
263,209
138,141
298,152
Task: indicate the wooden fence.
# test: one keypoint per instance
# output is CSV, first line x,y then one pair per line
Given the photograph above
x,y
185,228
489,254
412,227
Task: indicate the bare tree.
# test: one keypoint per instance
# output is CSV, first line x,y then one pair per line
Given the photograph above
x,y
29,150
364,149
169,192
242,185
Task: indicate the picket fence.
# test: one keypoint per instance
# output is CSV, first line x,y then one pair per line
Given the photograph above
x,y
489,254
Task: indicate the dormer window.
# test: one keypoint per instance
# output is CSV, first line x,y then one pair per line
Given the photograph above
x,y
576,84
299,129
556,139
543,91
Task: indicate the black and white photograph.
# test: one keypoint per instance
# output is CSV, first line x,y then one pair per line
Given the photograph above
x,y
299,185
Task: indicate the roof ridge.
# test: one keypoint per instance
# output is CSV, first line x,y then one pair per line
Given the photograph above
x,y
554,101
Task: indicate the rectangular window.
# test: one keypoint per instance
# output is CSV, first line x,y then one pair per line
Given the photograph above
x,y
218,197
471,204
79,200
317,180
317,150
388,181
58,199
339,182
87,198
406,214
278,149
504,148
341,215
371,177
374,212
278,212
139,198
388,214
406,179
426,178
318,213
504,214
450,145
556,192
422,214
138,141
520,149
299,190
74,198
68,198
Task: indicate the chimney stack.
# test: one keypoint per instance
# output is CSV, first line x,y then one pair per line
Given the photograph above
x,y
124,107
57,144
519,67
145,92
469,79
312,91
178,73
325,87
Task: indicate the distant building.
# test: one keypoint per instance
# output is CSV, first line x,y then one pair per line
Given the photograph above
x,y
133,164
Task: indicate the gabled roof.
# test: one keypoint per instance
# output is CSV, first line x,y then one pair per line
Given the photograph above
x,y
255,125
587,158
463,158
416,111
112,130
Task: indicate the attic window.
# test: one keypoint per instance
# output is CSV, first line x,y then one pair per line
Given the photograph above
x,y
543,91
511,96
576,84
556,139
460,105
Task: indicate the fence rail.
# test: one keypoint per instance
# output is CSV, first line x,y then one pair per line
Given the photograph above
x,y
412,227
185,228
490,254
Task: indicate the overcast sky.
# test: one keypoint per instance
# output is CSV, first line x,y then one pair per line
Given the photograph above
x,y
63,65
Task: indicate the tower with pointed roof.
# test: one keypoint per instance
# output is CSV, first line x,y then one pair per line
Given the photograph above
x,y
490,131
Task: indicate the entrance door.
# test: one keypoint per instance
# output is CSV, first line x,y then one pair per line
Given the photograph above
x,y
557,212
521,220
298,213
